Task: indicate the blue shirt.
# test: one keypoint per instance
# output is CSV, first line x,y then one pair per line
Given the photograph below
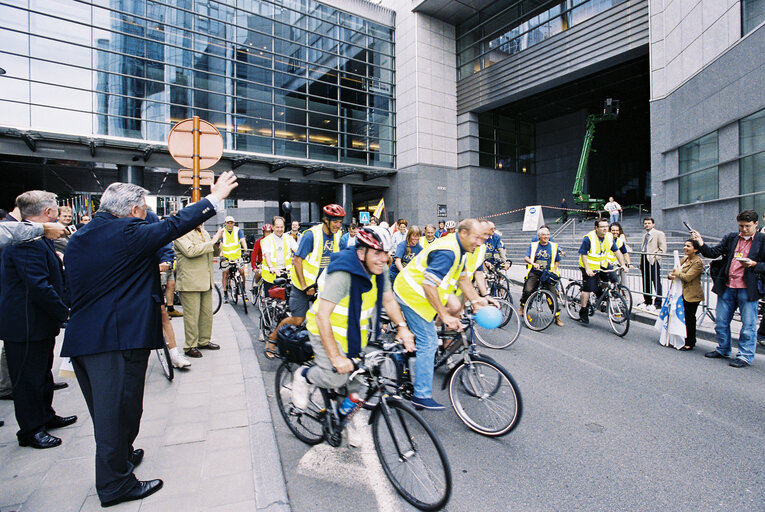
x,y
493,245
440,233
346,241
439,263
401,253
306,246
544,255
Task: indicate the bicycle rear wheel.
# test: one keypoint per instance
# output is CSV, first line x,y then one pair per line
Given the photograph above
x,y
163,354
539,310
618,313
485,397
573,299
308,425
504,335
216,298
243,293
411,455
501,292
234,291
626,294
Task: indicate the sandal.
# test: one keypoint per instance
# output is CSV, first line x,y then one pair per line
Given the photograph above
x,y
270,351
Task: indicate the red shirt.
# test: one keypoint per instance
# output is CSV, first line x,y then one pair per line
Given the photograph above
x,y
257,254
736,271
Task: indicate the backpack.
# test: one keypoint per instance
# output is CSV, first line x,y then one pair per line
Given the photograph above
x,y
293,344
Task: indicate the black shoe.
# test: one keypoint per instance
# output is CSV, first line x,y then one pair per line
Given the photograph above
x,y
142,490
40,440
2,423
9,396
136,457
60,385
60,422
192,352
225,298
738,363
715,355
209,346
584,317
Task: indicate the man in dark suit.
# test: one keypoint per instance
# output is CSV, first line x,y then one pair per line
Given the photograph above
x,y
33,286
743,256
115,322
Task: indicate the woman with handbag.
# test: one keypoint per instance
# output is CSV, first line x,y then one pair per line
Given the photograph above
x,y
689,272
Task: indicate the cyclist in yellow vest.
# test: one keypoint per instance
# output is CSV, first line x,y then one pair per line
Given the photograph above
x,y
312,256
422,290
541,255
277,252
474,266
430,236
594,257
232,243
352,291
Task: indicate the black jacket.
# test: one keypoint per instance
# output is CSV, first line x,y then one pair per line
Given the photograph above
x,y
726,248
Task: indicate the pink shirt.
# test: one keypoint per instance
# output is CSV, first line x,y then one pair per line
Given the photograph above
x,y
736,271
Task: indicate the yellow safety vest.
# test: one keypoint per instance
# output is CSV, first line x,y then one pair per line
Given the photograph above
x,y
271,240
339,316
534,246
312,262
408,284
424,242
472,262
611,256
597,258
231,247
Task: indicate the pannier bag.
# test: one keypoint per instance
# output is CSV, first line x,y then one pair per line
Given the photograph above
x,y
277,292
293,344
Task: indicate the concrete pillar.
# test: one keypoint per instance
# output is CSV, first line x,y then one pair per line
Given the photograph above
x,y
314,212
130,174
344,197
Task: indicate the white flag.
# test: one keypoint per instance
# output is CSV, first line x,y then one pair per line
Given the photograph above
x,y
671,321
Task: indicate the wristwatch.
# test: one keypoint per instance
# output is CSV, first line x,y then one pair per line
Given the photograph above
x,y
401,324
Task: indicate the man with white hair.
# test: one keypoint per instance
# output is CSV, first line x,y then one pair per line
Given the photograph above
x,y
115,322
541,255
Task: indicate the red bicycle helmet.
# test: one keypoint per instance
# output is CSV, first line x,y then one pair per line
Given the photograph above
x,y
366,237
267,227
334,210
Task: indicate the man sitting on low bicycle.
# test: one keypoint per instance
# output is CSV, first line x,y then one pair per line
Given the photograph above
x,y
232,245
542,255
595,257
351,293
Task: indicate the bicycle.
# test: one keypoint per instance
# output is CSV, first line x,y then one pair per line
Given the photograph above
x,y
273,306
542,305
610,300
482,392
507,332
163,354
411,454
235,286
497,282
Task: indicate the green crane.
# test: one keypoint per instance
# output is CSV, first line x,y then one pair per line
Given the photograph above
x,y
610,113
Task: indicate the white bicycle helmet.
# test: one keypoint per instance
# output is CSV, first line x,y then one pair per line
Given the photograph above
x,y
384,235
450,224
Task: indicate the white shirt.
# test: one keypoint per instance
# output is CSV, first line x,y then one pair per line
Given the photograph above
x,y
613,206
398,237
279,257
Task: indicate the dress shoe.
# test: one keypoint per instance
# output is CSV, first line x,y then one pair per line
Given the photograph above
x,y
558,321
209,346
192,352
60,385
715,355
60,422
143,489
136,457
738,363
40,440
2,423
9,396
174,313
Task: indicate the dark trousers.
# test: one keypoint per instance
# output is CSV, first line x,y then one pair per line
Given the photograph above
x,y
761,329
29,367
690,322
651,276
531,285
112,384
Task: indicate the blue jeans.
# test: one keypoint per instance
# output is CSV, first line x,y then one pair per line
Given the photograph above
x,y
613,218
426,339
747,340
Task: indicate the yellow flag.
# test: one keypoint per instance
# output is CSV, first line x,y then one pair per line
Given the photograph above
x,y
380,208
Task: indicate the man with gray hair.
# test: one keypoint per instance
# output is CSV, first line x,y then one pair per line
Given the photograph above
x,y
32,287
115,322
542,255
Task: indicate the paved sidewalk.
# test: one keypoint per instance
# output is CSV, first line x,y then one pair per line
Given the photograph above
x,y
208,435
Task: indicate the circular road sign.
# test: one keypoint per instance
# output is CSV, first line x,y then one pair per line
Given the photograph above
x,y
180,144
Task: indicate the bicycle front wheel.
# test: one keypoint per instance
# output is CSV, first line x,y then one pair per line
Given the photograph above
x,y
539,310
573,299
308,425
216,298
504,335
163,354
618,314
626,294
485,397
411,455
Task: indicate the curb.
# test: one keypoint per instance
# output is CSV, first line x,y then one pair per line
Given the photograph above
x,y
267,473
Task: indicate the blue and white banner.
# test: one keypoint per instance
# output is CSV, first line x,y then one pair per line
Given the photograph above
x,y
671,321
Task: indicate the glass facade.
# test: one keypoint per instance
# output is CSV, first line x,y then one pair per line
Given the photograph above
x,y
505,143
752,164
698,170
291,78
506,28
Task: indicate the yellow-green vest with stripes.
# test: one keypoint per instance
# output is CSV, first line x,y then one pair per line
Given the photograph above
x,y
271,241
597,258
231,247
534,246
312,262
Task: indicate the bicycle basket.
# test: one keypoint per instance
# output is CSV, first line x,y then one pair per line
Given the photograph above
x,y
293,344
277,292
549,277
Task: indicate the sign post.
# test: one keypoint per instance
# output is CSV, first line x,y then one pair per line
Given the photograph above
x,y
533,218
196,144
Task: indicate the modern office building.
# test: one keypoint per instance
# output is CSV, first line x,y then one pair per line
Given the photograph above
x,y
446,108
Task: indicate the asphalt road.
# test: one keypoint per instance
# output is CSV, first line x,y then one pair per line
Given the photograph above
x,y
608,424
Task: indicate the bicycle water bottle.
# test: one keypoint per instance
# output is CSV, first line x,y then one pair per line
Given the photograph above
x,y
349,403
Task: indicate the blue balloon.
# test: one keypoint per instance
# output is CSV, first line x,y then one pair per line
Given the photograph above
x,y
489,317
